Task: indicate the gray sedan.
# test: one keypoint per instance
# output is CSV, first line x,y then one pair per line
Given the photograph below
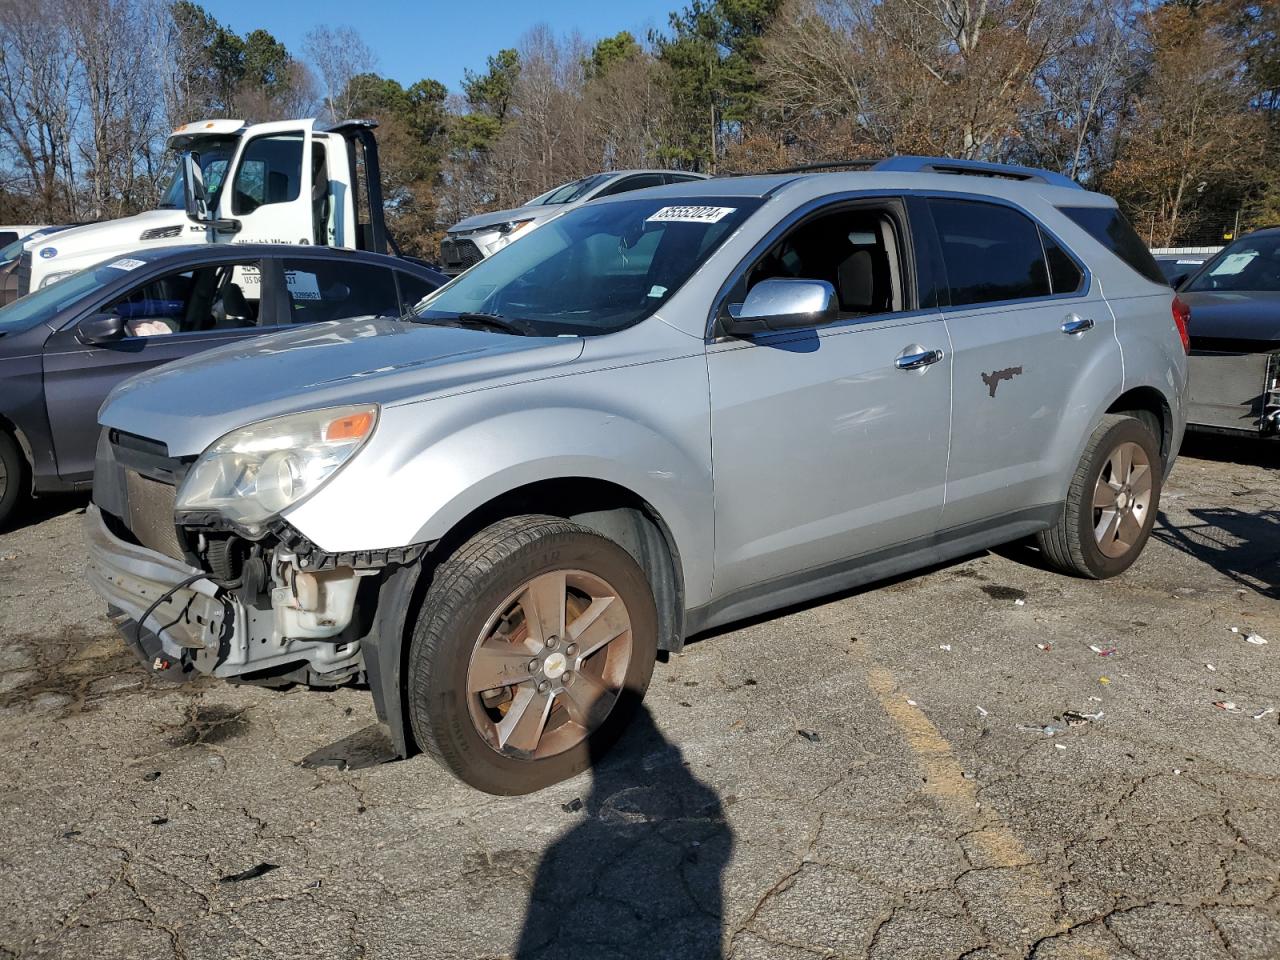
x,y
64,347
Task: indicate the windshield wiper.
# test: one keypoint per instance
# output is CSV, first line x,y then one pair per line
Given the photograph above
x,y
490,321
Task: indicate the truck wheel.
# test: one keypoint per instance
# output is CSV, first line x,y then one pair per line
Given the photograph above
x,y
533,647
13,469
1112,503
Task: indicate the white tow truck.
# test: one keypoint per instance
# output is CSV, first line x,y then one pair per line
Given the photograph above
x,y
280,182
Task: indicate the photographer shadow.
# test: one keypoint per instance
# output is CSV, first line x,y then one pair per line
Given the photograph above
x,y
641,875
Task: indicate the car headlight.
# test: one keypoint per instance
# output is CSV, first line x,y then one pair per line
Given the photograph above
x,y
512,226
252,474
55,277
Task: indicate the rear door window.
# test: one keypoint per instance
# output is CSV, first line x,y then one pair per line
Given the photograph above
x,y
321,290
991,252
1109,227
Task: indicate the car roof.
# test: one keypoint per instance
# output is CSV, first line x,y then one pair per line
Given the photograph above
x,y
627,173
895,173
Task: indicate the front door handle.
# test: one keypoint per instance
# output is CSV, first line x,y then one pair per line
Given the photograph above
x,y
1074,325
915,361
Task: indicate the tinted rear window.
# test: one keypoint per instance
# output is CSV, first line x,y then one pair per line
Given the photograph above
x,y
1108,226
991,252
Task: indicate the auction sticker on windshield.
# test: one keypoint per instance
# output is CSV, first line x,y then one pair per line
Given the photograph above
x,y
128,263
690,215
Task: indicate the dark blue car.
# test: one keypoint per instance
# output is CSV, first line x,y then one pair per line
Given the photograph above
x,y
64,347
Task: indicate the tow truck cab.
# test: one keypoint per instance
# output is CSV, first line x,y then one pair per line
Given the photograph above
x,y
281,182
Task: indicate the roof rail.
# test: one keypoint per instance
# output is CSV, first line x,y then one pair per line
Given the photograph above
x,y
865,164
974,168
914,164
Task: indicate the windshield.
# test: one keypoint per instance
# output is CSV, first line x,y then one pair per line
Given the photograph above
x,y
215,153
569,192
41,306
596,269
1249,264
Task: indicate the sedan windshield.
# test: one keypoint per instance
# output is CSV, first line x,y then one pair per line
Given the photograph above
x,y
215,154
44,304
569,192
597,269
1250,264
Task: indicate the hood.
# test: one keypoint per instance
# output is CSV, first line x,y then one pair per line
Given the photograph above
x,y
93,242
540,212
1252,319
190,403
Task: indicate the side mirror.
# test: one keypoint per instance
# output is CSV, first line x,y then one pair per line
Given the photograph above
x,y
193,192
100,328
783,303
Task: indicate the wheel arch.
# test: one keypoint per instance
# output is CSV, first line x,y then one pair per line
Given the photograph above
x,y
609,508
1151,406
9,428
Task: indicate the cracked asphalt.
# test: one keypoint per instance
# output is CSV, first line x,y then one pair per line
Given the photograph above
x,y
973,779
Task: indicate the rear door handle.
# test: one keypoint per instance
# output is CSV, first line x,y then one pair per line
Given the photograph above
x,y
1073,324
915,361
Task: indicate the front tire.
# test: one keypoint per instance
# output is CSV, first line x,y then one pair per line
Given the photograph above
x,y
534,645
1112,502
13,478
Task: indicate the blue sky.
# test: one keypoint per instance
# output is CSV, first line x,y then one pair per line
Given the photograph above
x,y
439,38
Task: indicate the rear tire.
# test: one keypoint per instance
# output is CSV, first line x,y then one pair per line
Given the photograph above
x,y
1112,502
534,645
14,488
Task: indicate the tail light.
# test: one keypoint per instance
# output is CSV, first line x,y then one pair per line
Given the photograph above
x,y
1182,319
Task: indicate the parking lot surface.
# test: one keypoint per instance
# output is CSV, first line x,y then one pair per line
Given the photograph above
x,y
984,760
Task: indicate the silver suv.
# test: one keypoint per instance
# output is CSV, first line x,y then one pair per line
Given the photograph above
x,y
659,413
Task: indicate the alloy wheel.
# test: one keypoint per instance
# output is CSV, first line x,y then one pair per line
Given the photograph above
x,y
1122,499
549,664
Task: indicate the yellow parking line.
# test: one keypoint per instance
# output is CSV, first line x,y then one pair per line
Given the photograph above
x,y
991,836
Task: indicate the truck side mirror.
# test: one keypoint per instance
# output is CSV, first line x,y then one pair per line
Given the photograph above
x,y
194,195
783,303
100,328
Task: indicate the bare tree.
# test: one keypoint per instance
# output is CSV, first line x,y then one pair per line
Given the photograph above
x,y
338,55
37,107
121,121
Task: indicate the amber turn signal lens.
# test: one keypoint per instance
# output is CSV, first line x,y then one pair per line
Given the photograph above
x,y
352,427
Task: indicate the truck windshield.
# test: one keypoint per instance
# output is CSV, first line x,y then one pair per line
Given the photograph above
x,y
1250,264
596,269
215,154
569,192
41,306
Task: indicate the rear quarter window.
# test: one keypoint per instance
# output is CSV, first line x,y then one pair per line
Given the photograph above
x,y
1109,227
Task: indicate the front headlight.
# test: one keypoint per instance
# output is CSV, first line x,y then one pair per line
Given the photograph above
x,y
253,473
512,226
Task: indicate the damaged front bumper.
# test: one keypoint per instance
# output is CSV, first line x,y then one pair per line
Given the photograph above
x,y
203,626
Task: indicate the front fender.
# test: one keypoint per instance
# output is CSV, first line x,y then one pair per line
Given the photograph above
x,y
644,428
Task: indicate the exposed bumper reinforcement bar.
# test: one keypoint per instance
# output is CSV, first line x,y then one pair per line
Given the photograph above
x,y
130,578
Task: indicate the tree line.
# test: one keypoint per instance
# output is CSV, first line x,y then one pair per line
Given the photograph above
x,y
1173,107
